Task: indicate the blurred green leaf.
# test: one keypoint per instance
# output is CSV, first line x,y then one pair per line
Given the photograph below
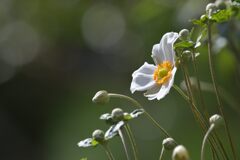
x,y
222,15
184,44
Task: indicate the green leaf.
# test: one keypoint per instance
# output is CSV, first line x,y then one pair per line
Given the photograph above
x,y
184,44
85,158
222,15
198,22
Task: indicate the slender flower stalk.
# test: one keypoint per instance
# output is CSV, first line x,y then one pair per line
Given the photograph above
x,y
205,139
132,141
124,143
161,154
108,152
137,104
213,140
199,85
220,107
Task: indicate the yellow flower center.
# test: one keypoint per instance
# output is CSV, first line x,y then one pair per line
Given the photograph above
x,y
163,72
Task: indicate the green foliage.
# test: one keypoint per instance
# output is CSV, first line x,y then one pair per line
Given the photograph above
x,y
184,44
222,15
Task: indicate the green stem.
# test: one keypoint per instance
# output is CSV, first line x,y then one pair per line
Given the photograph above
x,y
137,104
205,139
108,152
199,85
201,121
124,143
132,141
161,155
220,107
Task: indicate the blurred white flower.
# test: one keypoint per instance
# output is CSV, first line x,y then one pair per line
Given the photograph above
x,y
157,79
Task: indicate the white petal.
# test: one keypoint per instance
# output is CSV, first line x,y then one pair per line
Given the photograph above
x,y
143,78
145,69
152,92
156,55
166,87
165,51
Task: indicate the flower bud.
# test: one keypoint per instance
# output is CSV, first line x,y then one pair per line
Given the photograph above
x,y
221,4
180,153
101,97
203,18
211,8
217,120
184,35
169,143
117,114
98,135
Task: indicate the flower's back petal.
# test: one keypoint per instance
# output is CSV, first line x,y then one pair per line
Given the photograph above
x,y
165,51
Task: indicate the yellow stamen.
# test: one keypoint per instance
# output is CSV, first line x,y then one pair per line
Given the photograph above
x,y
163,72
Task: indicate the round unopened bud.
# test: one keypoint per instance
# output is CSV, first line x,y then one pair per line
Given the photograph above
x,y
101,97
221,4
217,120
186,55
117,114
169,143
211,8
180,153
203,18
184,35
98,135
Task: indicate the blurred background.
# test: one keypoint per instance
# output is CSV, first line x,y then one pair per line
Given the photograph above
x,y
56,54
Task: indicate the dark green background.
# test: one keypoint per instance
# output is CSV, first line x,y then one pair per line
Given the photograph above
x,y
56,54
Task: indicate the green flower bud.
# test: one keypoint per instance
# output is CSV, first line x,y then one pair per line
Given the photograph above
x,y
169,143
184,35
180,153
101,97
117,114
217,120
98,135
211,8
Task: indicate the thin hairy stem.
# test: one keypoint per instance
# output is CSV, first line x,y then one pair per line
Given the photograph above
x,y
161,154
204,141
124,143
132,141
137,104
220,107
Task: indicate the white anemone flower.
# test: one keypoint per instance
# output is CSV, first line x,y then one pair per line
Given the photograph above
x,y
157,79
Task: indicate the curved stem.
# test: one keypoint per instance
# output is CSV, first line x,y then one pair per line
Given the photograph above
x,y
121,96
220,107
132,141
161,155
205,139
124,143
137,104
